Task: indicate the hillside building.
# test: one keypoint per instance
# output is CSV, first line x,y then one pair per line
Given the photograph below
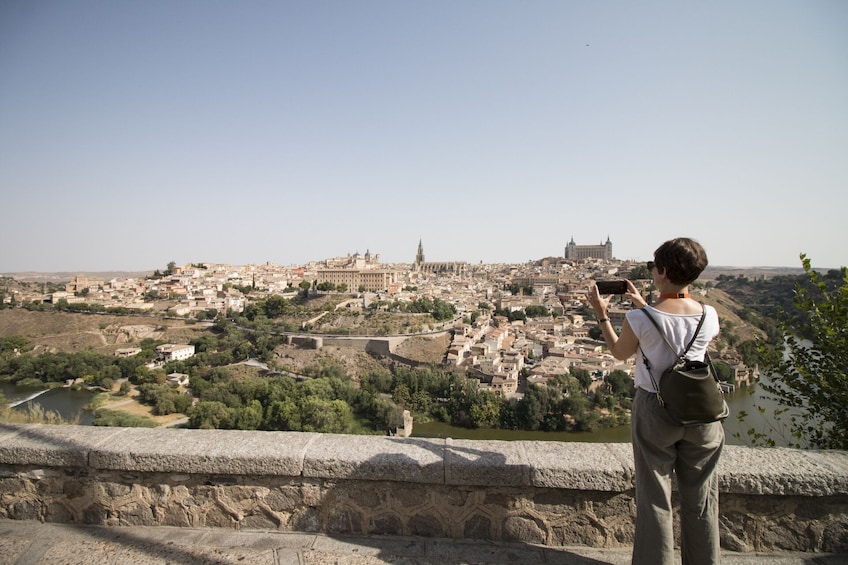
x,y
602,251
445,267
171,352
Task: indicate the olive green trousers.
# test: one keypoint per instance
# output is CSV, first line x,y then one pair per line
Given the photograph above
x,y
662,449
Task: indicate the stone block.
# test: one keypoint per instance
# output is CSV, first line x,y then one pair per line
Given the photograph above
x,y
580,466
783,471
56,446
226,452
334,456
472,462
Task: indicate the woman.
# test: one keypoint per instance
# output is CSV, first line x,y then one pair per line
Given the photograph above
x,y
660,446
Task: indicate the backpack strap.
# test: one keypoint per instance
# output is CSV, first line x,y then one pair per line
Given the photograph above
x,y
681,356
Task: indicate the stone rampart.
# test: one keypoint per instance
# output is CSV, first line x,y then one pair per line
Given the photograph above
x,y
537,492
379,345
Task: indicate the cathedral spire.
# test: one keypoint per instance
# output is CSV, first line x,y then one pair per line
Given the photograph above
x,y
419,257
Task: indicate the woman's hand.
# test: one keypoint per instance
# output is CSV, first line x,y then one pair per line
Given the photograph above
x,y
598,303
634,295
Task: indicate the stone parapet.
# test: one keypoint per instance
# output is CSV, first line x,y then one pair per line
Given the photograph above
x,y
539,492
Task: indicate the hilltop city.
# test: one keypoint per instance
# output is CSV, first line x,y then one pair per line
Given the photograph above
x,y
513,325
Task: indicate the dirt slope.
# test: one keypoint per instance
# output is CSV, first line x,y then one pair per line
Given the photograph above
x,y
61,331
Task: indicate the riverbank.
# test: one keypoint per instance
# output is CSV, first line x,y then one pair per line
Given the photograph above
x,y
736,432
75,406
132,406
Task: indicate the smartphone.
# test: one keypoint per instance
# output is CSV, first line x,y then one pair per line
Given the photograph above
x,y
612,287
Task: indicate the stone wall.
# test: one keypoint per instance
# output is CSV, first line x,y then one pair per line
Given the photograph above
x,y
539,492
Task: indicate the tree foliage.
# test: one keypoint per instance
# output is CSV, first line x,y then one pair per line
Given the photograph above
x,y
640,272
117,418
537,311
438,308
809,375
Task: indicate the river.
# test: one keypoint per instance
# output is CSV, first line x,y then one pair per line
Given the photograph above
x,y
68,403
71,404
742,399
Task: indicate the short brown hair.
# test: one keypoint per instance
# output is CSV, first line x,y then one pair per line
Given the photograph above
x,y
682,258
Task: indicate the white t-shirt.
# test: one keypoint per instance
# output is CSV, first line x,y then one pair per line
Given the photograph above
x,y
679,329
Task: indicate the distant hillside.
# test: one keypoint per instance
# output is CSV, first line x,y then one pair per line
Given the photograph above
x,y
729,311
62,331
67,276
713,272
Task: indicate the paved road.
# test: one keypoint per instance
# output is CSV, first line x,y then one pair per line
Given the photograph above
x,y
33,543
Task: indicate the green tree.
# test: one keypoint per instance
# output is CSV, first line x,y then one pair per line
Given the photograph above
x,y
275,306
401,395
326,416
640,272
283,415
249,417
305,286
537,311
118,418
621,384
809,376
583,377
723,371
485,410
530,411
377,381
13,345
421,402
210,416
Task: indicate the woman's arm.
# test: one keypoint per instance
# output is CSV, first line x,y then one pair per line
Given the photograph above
x,y
622,346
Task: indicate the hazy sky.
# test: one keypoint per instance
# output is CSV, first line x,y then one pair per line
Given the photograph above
x,y
134,133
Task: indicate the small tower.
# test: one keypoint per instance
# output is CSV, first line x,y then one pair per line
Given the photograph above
x,y
571,249
419,257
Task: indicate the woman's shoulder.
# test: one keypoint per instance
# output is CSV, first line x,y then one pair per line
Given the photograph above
x,y
638,313
650,310
711,311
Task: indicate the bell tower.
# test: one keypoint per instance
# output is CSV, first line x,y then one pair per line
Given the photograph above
x,y
419,257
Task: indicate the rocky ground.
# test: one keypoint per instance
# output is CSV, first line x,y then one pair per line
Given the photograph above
x,y
728,316
61,331
357,362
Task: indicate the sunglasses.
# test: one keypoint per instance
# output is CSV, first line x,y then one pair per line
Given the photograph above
x,y
651,265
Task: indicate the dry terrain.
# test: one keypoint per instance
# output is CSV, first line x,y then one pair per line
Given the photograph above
x,y
426,349
61,331
727,308
357,362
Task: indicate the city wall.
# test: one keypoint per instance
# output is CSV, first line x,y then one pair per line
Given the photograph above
x,y
551,493
384,346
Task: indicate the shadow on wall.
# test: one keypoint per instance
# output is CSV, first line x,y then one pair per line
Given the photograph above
x,y
348,513
400,500
415,525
